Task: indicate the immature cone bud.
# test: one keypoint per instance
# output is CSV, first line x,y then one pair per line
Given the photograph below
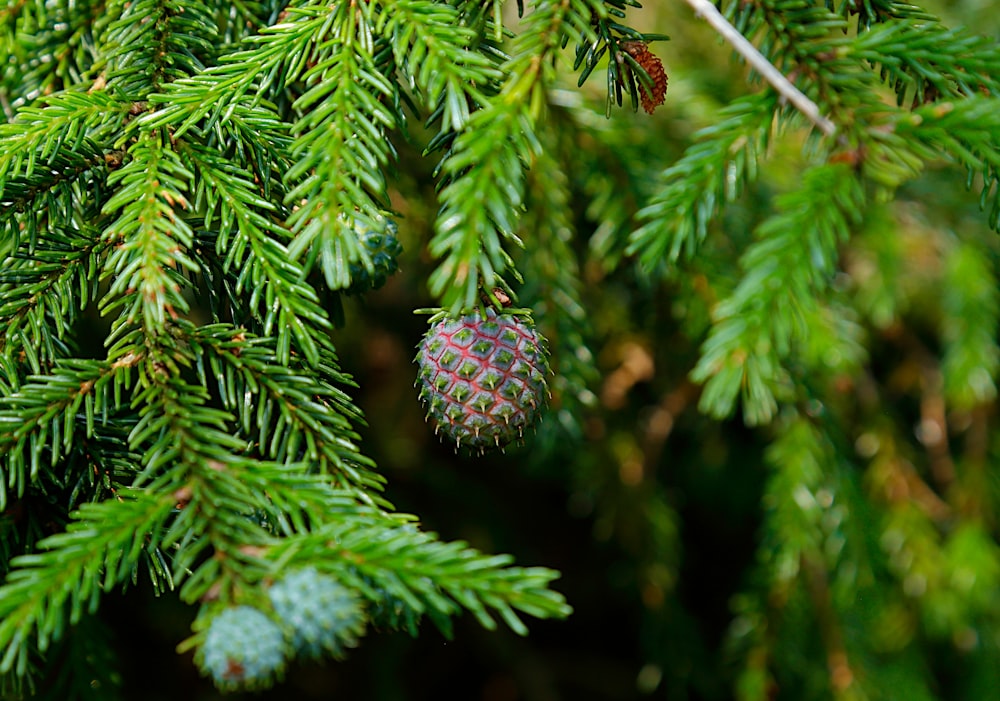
x,y
243,649
383,248
482,378
323,616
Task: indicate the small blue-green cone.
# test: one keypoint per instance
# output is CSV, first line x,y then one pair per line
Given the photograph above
x,y
384,250
324,616
243,649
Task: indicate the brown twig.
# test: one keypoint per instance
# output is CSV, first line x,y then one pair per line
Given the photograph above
x,y
759,63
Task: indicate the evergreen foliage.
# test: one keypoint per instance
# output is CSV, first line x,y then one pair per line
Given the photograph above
x,y
186,191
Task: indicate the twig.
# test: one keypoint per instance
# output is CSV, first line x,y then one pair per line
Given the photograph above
x,y
759,62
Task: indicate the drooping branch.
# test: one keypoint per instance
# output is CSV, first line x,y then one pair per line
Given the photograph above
x,y
759,62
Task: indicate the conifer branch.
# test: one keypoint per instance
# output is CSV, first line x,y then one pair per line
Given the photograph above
x,y
42,417
552,273
63,122
804,41
191,454
961,130
340,148
183,182
44,292
150,235
284,304
929,59
773,308
255,138
871,14
153,42
759,63
431,576
279,56
175,422
802,465
99,550
430,45
713,171
484,170
47,48
290,415
801,462
70,183
219,529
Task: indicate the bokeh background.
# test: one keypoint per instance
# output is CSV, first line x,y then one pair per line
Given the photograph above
x,y
657,516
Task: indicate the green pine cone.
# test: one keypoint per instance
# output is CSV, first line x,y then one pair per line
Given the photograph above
x,y
482,379
383,248
323,616
243,649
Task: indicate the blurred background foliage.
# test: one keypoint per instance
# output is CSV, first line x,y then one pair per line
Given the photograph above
x,y
847,550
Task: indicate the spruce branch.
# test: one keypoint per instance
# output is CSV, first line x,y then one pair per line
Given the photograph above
x,y
292,415
47,48
191,454
278,57
803,500
71,181
44,292
177,429
874,12
928,60
60,124
960,130
804,41
773,308
284,304
41,417
713,171
65,577
891,159
255,138
759,63
340,148
628,60
153,42
150,235
220,528
430,576
97,466
431,44
801,460
484,170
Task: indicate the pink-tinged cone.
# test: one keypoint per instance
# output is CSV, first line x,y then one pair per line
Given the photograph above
x,y
482,379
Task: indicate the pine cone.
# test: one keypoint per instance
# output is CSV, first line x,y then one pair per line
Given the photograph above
x,y
654,67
